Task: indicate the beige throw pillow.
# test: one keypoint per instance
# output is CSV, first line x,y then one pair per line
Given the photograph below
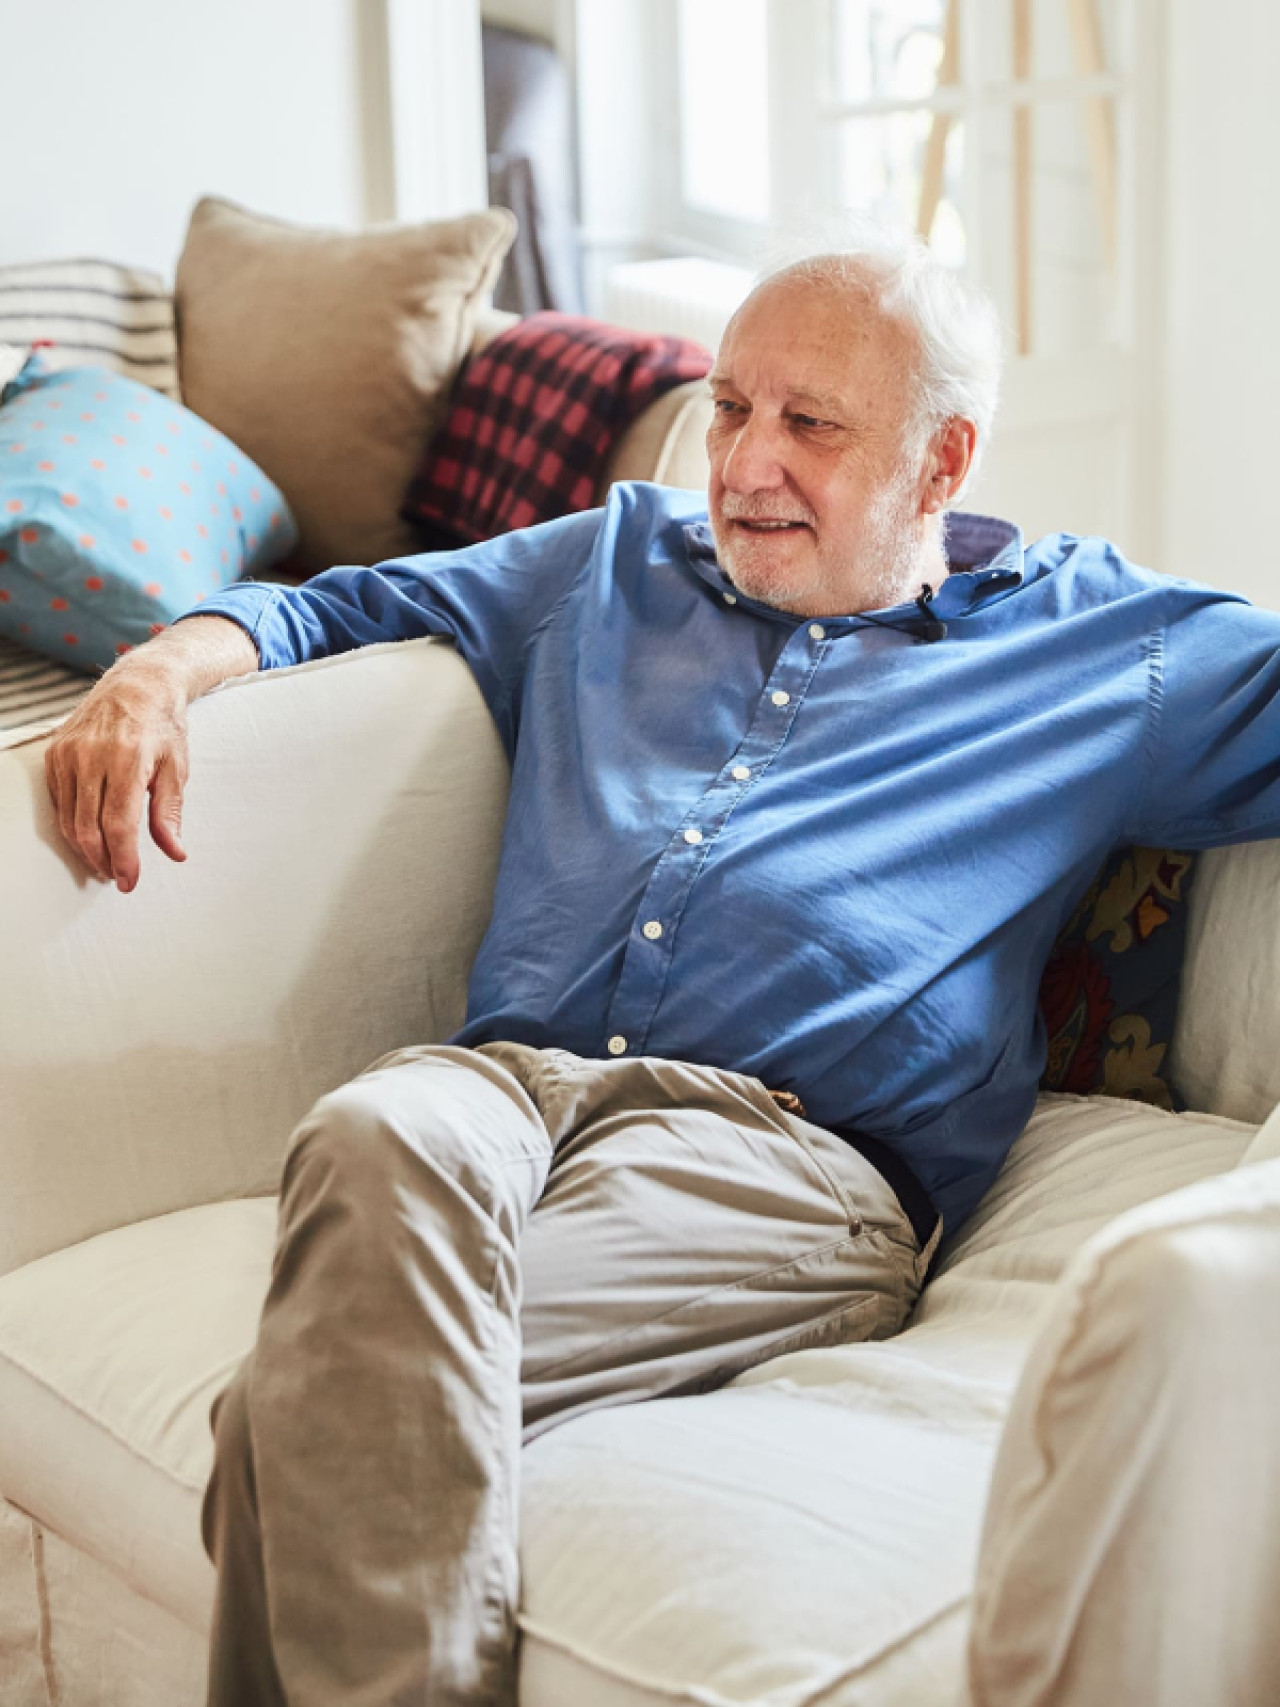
x,y
328,356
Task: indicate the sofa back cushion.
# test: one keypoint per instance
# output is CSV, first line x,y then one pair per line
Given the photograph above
x,y
328,356
1225,1056
156,1049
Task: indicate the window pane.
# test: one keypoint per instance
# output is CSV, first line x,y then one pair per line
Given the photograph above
x,y
1080,39
889,168
724,107
1055,285
887,49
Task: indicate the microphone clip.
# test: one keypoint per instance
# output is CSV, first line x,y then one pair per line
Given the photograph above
x,y
934,627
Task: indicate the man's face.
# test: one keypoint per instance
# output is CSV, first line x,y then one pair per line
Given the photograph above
x,y
814,496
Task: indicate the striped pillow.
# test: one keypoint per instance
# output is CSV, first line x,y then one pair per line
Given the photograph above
x,y
95,314
33,689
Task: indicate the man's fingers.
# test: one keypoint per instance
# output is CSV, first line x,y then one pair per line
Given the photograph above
x,y
62,789
121,812
87,828
166,805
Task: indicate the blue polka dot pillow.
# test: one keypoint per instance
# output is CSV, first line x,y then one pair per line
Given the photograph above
x,y
119,510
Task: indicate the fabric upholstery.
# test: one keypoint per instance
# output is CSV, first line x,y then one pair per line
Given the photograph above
x,y
328,356
668,443
1130,1548
1224,1053
342,827
120,511
94,1640
726,1541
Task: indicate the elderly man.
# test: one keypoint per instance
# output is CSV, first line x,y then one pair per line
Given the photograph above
x,y
799,802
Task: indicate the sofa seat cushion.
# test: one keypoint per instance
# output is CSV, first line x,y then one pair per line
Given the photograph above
x,y
814,1524
810,1533
111,1353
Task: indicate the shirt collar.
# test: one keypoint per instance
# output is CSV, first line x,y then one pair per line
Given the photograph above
x,y
984,554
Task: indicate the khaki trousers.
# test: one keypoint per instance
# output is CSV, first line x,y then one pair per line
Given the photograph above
x,y
474,1246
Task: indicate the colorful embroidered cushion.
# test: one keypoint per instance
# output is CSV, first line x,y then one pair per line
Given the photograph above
x,y
119,510
1109,994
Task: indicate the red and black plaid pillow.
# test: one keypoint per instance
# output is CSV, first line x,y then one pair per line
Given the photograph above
x,y
533,421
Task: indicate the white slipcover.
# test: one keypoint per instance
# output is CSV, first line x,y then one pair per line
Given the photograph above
x,y
810,1535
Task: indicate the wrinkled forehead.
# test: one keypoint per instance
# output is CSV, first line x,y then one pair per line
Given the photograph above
x,y
798,334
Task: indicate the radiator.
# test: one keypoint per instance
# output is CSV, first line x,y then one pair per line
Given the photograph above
x,y
686,297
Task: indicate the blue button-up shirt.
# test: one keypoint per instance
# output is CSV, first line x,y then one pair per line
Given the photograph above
x,y
832,854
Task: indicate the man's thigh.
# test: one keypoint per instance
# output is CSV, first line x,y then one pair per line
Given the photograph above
x,y
690,1229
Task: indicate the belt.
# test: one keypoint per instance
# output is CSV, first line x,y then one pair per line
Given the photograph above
x,y
916,1203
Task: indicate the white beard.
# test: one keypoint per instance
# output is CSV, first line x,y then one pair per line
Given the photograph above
x,y
888,567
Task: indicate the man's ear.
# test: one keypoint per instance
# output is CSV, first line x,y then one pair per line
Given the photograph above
x,y
947,463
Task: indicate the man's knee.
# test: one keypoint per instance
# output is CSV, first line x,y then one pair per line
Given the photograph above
x,y
425,1125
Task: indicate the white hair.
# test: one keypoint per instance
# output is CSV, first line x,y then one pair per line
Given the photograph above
x,y
957,328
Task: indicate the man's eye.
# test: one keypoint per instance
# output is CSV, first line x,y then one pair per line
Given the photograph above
x,y
809,421
725,406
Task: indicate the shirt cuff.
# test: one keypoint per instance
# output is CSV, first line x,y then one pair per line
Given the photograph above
x,y
250,604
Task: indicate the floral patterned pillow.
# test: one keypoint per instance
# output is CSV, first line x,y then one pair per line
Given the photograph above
x,y
1109,994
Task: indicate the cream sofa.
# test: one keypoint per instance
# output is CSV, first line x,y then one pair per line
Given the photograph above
x,y
1059,1485
1102,1335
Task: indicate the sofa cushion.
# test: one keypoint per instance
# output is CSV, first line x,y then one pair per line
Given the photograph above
x,y
329,355
810,1532
1224,1053
121,510
816,1521
111,1353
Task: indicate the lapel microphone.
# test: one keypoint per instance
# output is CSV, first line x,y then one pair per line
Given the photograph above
x,y
929,627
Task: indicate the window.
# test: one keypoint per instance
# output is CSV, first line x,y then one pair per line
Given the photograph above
x,y
996,128
1022,137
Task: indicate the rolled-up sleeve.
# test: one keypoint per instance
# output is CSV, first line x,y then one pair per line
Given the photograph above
x,y
489,599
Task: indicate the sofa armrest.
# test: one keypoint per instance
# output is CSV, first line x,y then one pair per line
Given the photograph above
x,y
156,1049
1129,1549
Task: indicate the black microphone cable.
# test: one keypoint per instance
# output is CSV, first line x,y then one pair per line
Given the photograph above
x,y
933,629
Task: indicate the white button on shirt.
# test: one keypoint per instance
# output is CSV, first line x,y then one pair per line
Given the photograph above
x,y
617,1046
780,698
652,929
693,837
729,598
740,773
817,631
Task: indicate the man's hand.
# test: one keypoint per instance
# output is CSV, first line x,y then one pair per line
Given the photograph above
x,y
128,739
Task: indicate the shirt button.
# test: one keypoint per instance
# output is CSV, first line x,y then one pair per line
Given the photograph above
x,y
729,598
617,1046
693,837
780,698
652,929
817,631
740,773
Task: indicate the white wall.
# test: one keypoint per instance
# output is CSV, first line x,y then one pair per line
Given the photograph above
x,y
122,112
1222,350
117,115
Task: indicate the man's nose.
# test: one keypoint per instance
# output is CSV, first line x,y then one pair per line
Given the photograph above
x,y
753,462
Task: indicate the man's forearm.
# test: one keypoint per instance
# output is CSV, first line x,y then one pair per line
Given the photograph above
x,y
189,658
